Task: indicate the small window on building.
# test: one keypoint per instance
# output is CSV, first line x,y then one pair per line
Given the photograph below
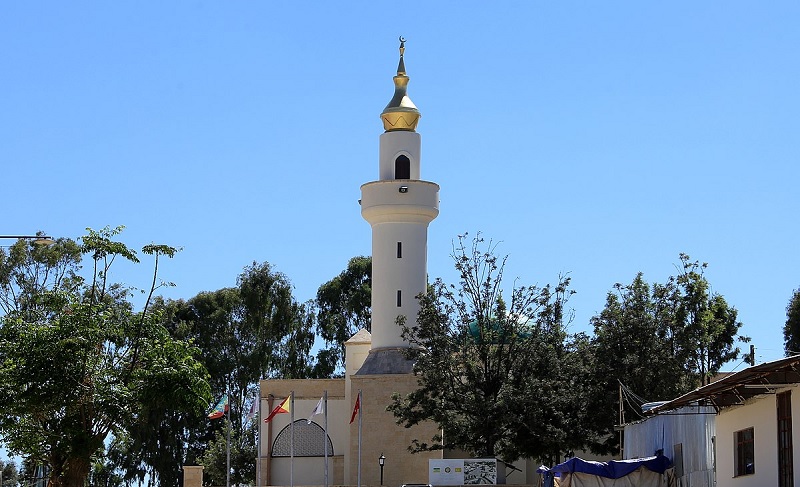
x,y
744,452
399,250
402,168
399,298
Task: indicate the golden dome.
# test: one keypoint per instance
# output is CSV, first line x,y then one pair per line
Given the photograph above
x,y
400,113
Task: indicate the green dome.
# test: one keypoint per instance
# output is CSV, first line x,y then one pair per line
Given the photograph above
x,y
523,328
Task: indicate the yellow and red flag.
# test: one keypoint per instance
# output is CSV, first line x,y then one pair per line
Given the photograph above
x,y
284,407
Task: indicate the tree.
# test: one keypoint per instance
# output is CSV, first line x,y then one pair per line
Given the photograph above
x,y
791,330
243,451
343,307
9,475
634,350
494,375
656,343
77,364
706,326
244,333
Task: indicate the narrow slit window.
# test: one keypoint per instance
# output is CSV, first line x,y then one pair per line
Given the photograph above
x,y
402,167
399,250
399,298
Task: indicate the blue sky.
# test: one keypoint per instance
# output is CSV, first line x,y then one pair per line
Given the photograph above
x,y
598,139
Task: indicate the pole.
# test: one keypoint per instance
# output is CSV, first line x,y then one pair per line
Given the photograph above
x,y
325,438
621,421
258,437
228,440
360,408
291,447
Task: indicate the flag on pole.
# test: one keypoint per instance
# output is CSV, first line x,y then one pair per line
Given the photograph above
x,y
355,409
317,410
253,410
220,409
284,407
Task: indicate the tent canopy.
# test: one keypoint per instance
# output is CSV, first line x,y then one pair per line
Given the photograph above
x,y
613,469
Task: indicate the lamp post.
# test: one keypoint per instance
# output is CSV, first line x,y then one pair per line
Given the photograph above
x,y
37,239
381,462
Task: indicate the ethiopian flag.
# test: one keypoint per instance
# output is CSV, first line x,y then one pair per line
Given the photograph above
x,y
220,409
284,407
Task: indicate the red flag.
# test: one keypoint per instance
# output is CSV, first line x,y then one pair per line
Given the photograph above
x,y
355,409
284,407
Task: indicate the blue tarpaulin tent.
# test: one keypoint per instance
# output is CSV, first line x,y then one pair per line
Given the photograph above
x,y
578,472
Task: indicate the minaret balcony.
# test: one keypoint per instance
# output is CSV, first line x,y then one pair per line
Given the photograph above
x,y
399,200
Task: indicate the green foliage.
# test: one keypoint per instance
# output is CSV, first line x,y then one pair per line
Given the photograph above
x,y
494,375
659,341
243,452
343,307
791,330
77,364
28,269
706,327
245,333
10,476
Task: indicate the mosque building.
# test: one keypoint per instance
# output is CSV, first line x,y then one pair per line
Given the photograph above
x,y
399,205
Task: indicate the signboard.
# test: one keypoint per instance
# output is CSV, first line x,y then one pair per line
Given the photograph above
x,y
463,472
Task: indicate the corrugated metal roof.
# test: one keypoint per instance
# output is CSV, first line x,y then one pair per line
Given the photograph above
x,y
738,387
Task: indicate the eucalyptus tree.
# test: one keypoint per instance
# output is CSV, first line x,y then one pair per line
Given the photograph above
x,y
657,342
343,307
707,326
244,333
791,329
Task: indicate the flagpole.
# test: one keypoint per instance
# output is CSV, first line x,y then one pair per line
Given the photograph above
x,y
228,441
258,439
325,432
291,446
360,407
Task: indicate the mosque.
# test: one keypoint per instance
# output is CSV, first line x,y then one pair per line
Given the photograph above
x,y
324,449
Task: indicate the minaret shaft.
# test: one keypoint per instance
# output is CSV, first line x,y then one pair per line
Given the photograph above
x,y
399,207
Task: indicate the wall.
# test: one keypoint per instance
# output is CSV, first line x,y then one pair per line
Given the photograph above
x,y
307,392
758,413
380,434
692,427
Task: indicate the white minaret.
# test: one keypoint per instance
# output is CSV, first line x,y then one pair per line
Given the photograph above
x,y
399,207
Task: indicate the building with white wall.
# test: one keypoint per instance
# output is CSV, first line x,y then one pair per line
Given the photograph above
x,y
754,430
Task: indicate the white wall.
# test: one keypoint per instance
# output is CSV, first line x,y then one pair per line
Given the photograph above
x,y
760,414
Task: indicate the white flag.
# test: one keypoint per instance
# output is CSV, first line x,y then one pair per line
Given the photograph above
x,y
253,410
317,410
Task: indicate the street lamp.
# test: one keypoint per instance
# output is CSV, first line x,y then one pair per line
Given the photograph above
x,y
37,239
381,461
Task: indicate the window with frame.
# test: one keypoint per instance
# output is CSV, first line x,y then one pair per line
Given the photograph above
x,y
785,455
744,445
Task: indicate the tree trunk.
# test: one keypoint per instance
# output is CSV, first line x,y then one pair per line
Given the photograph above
x,y
72,473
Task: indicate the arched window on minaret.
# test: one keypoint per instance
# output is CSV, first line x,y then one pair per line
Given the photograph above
x,y
402,167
